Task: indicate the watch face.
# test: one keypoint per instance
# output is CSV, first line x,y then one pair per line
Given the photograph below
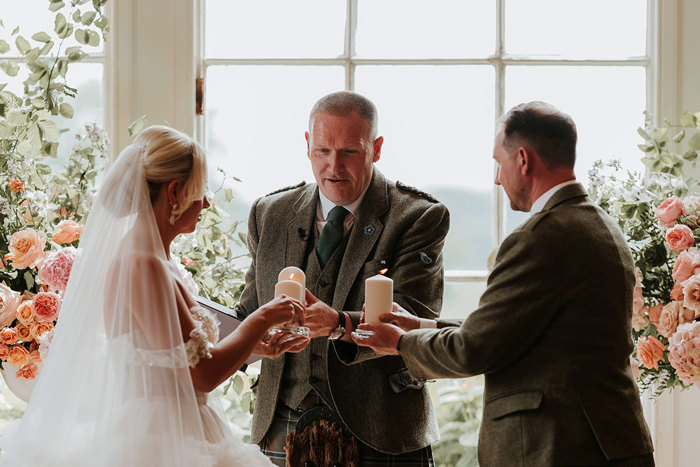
x,y
337,333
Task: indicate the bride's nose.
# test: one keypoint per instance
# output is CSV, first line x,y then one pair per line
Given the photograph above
x,y
205,203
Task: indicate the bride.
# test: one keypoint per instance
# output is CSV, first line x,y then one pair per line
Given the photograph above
x,y
133,357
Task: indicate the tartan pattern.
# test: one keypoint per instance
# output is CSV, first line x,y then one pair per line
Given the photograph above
x,y
285,420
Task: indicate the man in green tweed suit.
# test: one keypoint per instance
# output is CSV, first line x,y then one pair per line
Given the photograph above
x,y
346,227
552,330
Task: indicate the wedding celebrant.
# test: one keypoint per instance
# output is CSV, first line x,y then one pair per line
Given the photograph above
x,y
134,356
349,225
552,330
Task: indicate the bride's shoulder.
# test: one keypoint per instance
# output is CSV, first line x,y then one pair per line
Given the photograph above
x,y
142,262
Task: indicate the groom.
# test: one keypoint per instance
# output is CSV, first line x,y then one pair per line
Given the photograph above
x,y
552,330
345,228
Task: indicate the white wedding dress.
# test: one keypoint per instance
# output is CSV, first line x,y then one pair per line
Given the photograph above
x,y
115,389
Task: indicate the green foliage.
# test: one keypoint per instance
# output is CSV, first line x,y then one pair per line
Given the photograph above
x,y
238,401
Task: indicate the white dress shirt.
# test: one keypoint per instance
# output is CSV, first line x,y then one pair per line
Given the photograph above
x,y
540,202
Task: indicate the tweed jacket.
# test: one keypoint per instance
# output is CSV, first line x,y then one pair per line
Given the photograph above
x,y
396,227
552,336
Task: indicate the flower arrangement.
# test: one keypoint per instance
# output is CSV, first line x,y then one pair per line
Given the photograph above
x,y
660,215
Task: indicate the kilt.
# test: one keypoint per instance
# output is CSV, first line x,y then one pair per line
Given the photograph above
x,y
285,420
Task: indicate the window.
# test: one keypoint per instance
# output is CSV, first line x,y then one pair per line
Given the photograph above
x,y
439,72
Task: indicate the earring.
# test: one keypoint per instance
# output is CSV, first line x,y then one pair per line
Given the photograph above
x,y
172,214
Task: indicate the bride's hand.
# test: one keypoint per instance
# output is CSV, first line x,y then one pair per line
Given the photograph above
x,y
282,310
279,343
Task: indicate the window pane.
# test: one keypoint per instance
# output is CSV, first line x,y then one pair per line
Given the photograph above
x,y
33,16
438,127
275,28
420,29
590,29
461,298
256,119
607,104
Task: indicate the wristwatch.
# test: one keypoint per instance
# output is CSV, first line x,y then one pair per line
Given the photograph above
x,y
338,332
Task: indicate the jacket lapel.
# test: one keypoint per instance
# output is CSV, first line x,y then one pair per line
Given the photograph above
x,y
299,229
574,190
364,234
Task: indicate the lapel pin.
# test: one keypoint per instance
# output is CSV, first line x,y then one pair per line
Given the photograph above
x,y
369,230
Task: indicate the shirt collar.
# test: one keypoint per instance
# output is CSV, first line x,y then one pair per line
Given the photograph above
x,y
327,205
540,202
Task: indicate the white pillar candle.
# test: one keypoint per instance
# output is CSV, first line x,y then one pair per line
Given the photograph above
x,y
291,289
379,294
292,273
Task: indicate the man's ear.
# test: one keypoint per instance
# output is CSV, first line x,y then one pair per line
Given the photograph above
x,y
524,159
173,188
306,136
377,147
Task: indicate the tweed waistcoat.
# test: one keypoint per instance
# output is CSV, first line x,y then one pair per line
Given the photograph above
x,y
306,370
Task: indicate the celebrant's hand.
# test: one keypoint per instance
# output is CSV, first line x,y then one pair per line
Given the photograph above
x,y
401,318
385,339
320,318
282,310
272,346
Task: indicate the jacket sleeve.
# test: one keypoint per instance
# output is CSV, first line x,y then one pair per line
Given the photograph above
x,y
417,272
522,298
248,301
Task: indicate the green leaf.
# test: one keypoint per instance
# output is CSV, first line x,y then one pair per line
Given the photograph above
x,y
59,23
51,131
28,279
679,136
136,126
228,194
47,48
22,45
24,148
93,38
694,143
81,35
55,6
690,156
66,32
643,133
4,47
11,69
646,147
15,31
88,17
66,110
101,22
76,16
76,56
41,37
687,119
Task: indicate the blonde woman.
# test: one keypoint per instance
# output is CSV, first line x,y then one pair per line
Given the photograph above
x,y
133,356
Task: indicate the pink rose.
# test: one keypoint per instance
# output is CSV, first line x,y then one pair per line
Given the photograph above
x,y
673,314
650,351
9,301
634,364
670,210
679,237
686,263
684,352
67,232
57,267
26,249
28,371
691,293
46,306
655,313
45,341
677,292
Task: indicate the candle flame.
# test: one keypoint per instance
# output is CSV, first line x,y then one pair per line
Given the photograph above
x,y
383,271
291,276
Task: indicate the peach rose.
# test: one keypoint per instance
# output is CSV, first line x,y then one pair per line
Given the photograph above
x,y
24,334
686,263
691,293
28,371
26,249
46,306
25,312
37,329
655,314
679,237
9,336
673,314
18,356
650,351
634,364
677,292
16,186
35,356
67,231
670,210
9,301
4,352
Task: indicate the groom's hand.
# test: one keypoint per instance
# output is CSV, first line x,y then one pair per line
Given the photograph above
x,y
319,317
385,339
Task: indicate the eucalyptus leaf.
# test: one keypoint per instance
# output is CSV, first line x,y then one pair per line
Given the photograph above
x,y
66,110
76,16
4,47
643,134
228,194
10,68
137,125
93,38
690,155
679,136
76,56
694,142
55,6
41,37
28,279
47,48
15,31
81,35
59,23
87,18
22,45
101,22
687,119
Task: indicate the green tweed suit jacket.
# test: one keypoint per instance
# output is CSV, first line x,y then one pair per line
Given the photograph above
x,y
552,337
396,227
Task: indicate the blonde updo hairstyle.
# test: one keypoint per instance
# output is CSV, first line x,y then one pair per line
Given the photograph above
x,y
170,155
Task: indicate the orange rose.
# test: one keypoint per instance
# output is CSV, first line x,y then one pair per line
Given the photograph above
x,y
19,356
38,329
9,336
16,186
25,312
655,314
650,351
67,232
28,371
26,249
4,352
24,334
35,356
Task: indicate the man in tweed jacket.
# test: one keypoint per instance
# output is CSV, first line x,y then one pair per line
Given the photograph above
x,y
388,225
552,330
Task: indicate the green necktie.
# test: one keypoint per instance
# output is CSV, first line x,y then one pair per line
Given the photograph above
x,y
331,235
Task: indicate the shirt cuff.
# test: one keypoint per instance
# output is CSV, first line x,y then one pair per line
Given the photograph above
x,y
428,324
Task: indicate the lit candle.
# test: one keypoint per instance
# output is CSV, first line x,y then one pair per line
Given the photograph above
x,y
292,273
379,294
291,289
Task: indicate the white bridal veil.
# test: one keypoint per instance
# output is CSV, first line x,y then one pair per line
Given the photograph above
x,y
115,389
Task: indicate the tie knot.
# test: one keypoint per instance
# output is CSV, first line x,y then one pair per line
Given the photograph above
x,y
338,213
